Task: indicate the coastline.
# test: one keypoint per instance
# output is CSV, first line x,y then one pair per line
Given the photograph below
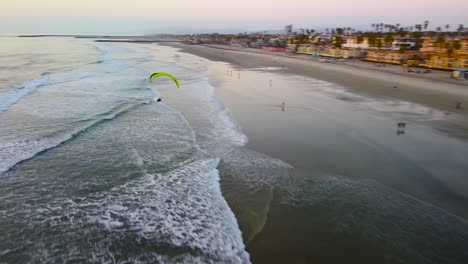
x,y
322,171
350,170
436,92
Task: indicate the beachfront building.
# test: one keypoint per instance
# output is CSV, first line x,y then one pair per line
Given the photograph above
x,y
390,56
445,54
460,73
354,42
288,30
406,43
307,49
291,48
445,62
332,53
354,53
342,53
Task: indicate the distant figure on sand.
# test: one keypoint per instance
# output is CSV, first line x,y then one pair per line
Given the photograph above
x,y
283,106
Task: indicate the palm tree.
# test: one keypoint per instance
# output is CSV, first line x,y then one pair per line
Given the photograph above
x,y
338,40
402,50
461,28
440,41
426,24
379,43
402,32
448,48
360,39
439,29
447,27
450,52
389,39
372,39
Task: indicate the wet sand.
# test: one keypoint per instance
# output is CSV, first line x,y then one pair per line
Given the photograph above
x,y
360,189
354,176
442,94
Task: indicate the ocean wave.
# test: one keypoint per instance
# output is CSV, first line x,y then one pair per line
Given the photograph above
x,y
96,171
216,129
354,213
59,76
11,96
175,217
13,153
137,183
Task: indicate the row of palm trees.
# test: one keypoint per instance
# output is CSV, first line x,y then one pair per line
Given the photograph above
x,y
388,28
380,27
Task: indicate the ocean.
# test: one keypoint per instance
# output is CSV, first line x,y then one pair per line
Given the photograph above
x,y
94,170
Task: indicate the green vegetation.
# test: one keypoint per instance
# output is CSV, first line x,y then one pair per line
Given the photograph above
x,y
402,50
389,39
338,41
360,39
372,39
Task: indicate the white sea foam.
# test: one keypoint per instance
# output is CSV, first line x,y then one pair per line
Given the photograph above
x,y
216,129
180,215
11,96
135,174
69,102
13,152
183,207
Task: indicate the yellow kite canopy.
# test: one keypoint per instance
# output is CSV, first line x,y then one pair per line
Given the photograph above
x,y
159,74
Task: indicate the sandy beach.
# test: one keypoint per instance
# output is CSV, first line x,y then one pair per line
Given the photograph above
x,y
260,160
246,132
342,169
435,89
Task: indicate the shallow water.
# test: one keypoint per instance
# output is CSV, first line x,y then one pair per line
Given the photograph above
x,y
94,170
325,127
354,190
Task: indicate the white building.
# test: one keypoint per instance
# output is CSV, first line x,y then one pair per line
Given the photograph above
x,y
407,43
288,30
352,43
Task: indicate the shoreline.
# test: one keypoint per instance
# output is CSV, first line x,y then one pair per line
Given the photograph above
x,y
343,159
433,92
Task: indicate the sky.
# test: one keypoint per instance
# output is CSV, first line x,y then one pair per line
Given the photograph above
x,y
196,16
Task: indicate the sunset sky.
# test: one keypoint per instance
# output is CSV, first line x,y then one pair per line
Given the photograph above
x,y
155,16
